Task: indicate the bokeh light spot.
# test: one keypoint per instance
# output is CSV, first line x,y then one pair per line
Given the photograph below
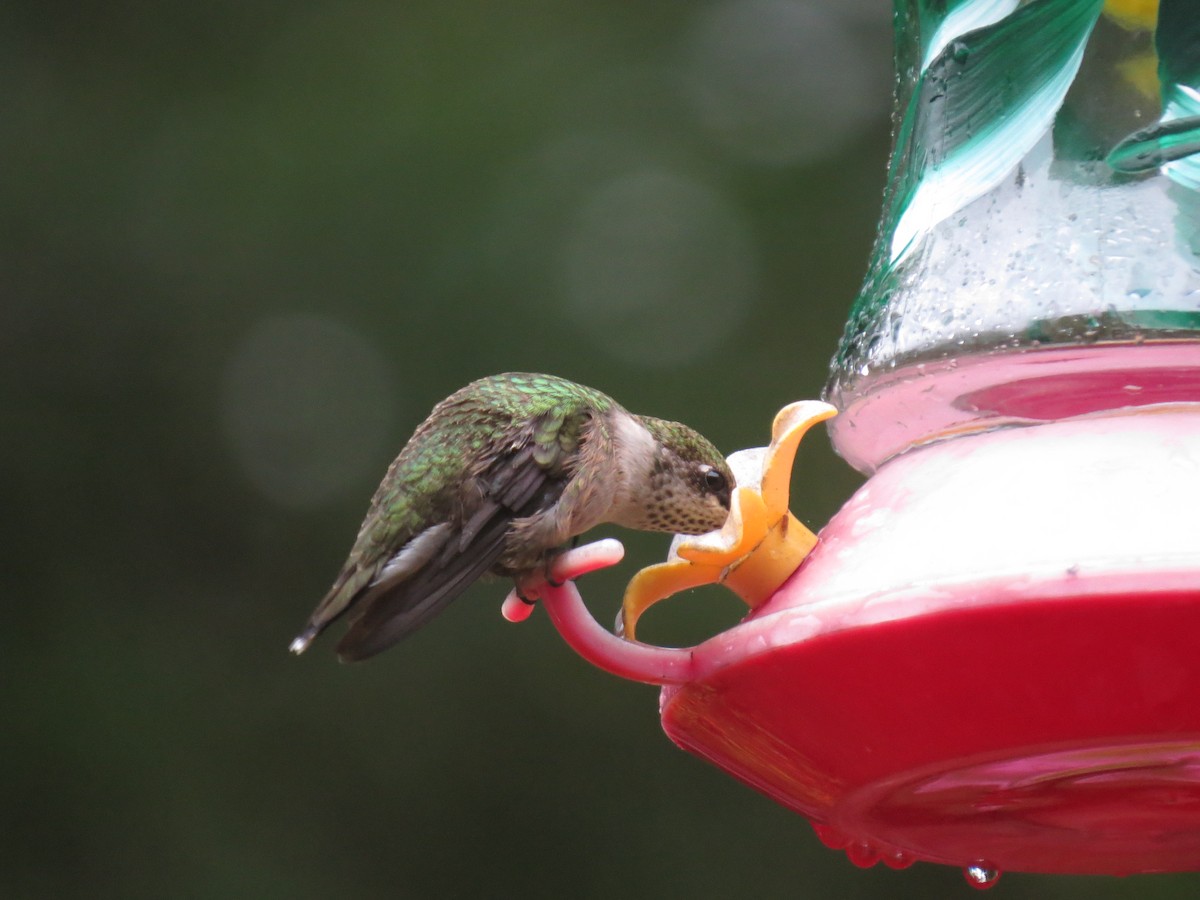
x,y
778,82
658,268
306,406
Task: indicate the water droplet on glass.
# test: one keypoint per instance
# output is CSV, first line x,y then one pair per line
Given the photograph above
x,y
981,876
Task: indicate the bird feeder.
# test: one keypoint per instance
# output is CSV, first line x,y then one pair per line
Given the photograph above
x,y
988,658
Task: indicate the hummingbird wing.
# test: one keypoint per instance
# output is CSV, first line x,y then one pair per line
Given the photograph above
x,y
527,475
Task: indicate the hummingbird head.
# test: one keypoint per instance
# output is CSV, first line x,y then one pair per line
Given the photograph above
x,y
688,481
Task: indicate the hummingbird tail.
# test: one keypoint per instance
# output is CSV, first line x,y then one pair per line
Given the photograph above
x,y
306,637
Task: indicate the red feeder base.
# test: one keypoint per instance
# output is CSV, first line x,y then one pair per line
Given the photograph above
x,y
991,659
1055,737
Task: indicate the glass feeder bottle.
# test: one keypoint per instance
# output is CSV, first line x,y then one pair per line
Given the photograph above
x,y
1039,253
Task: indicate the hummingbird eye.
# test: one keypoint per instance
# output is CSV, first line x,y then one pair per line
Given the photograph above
x,y
714,480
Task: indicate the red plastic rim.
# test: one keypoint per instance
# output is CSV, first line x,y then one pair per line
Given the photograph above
x,y
990,657
1060,737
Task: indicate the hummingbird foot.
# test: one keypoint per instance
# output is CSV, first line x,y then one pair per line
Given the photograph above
x,y
551,557
562,568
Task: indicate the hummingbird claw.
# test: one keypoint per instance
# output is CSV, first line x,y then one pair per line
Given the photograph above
x,y
553,556
567,567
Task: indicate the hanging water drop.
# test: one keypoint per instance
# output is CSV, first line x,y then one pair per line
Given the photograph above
x,y
897,860
862,854
831,837
981,876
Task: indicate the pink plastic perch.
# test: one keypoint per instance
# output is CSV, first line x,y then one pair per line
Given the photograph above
x,y
586,636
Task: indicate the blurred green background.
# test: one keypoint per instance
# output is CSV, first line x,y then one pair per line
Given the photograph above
x,y
246,247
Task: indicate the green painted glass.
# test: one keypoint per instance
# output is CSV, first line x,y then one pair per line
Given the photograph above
x,y
1043,205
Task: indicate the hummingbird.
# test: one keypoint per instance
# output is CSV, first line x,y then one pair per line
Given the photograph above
x,y
500,476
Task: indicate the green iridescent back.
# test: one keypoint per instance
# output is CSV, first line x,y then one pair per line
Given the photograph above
x,y
420,487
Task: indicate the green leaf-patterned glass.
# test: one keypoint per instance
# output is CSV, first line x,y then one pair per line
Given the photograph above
x,y
1039,250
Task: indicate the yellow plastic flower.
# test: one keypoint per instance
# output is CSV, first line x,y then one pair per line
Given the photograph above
x,y
761,543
